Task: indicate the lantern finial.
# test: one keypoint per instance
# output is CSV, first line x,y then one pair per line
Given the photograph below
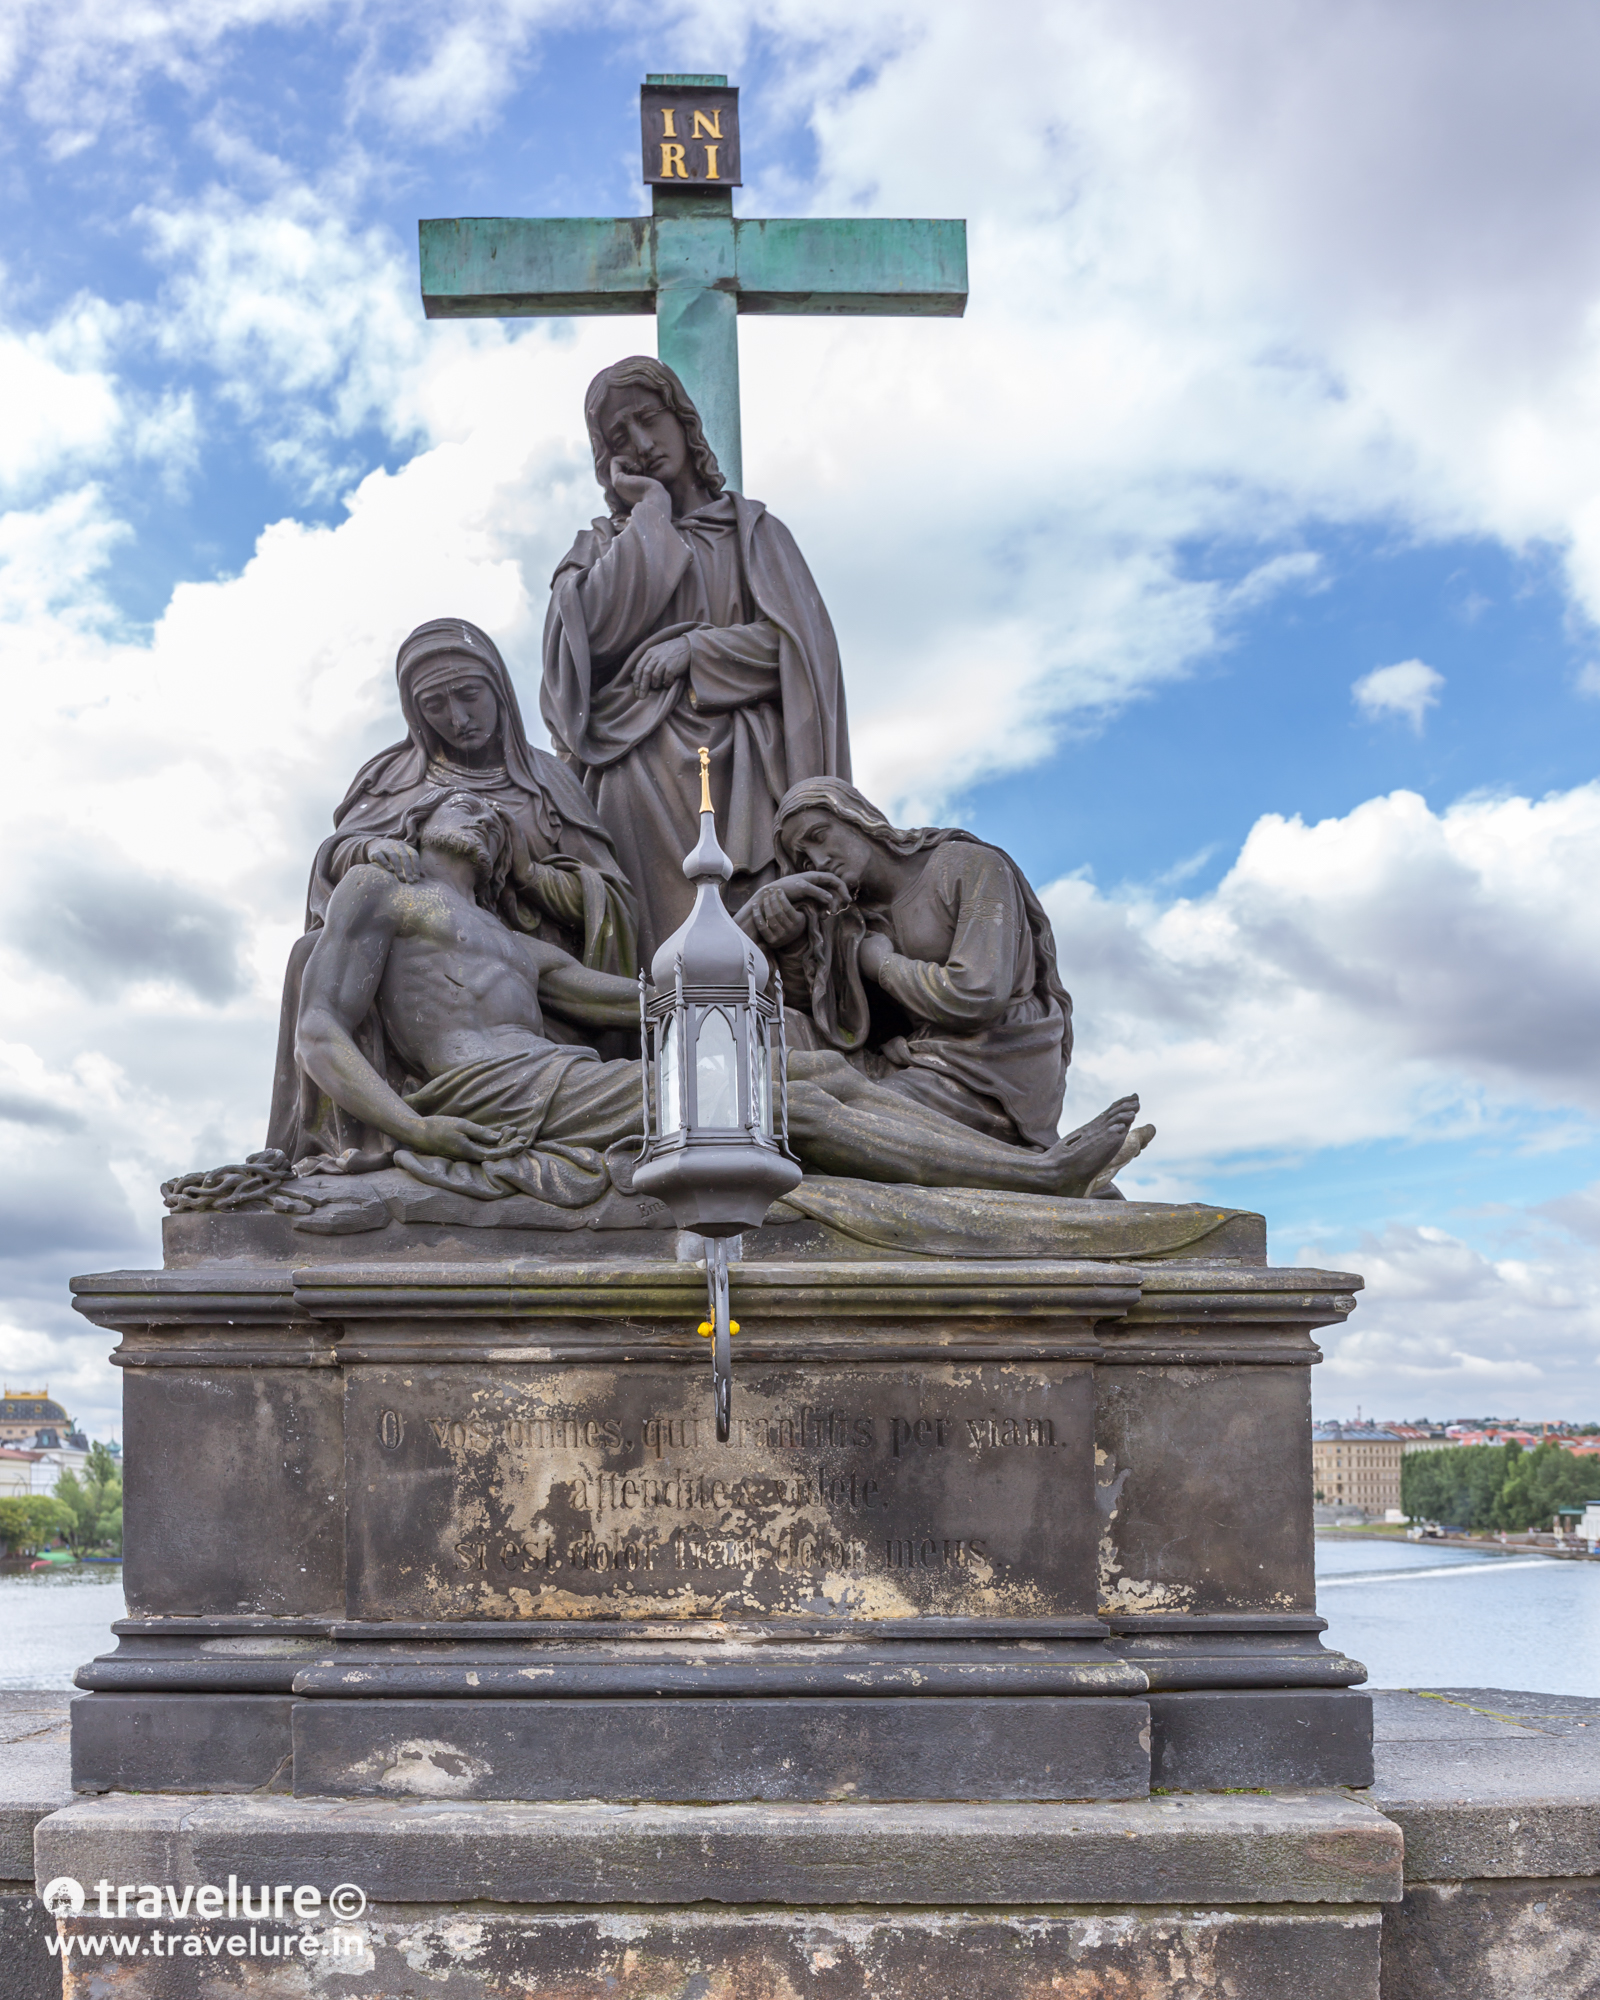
x,y
706,862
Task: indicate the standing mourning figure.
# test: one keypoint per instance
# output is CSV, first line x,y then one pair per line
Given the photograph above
x,y
687,617
562,882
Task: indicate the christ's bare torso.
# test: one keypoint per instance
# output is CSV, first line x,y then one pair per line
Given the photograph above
x,y
458,986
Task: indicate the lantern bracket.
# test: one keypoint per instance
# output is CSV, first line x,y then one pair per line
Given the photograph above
x,y
722,1329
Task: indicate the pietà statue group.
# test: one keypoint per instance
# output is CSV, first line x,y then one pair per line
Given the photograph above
x,y
461,1013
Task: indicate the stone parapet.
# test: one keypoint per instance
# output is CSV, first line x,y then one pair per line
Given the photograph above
x,y
1252,1896
34,1782
1498,1796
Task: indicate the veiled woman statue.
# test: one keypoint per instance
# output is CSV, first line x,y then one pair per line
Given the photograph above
x,y
465,732
685,617
922,955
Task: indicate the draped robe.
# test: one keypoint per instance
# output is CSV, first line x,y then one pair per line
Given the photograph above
x,y
764,691
979,1024
586,904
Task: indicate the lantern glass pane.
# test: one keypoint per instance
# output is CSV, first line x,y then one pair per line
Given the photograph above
x,y
716,1071
669,1107
761,1069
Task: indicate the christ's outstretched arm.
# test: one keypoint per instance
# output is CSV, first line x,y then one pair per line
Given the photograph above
x,y
598,999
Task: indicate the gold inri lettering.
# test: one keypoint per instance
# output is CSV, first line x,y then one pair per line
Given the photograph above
x,y
707,125
669,128
672,165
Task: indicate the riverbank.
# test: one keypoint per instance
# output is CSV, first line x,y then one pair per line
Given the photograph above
x,y
1478,1543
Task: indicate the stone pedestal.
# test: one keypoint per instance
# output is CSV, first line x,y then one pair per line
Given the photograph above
x,y
447,1522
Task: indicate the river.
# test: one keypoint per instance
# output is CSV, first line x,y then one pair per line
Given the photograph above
x,y
1416,1614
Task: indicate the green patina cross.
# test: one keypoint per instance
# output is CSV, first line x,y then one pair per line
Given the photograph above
x,y
692,262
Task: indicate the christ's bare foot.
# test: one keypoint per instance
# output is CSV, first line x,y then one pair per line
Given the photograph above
x,y
1073,1162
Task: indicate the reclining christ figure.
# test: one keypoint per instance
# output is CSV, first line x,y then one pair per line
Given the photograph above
x,y
490,1106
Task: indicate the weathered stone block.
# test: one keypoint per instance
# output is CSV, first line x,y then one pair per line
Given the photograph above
x,y
1494,1940
1207,1741
393,1460
1184,1530
877,1491
30,1972
256,1523
881,1748
766,1955
1315,1848
180,1742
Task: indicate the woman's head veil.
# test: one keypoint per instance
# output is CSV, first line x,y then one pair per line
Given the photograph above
x,y
404,766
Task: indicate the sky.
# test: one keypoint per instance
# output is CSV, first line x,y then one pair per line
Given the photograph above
x,y
1234,562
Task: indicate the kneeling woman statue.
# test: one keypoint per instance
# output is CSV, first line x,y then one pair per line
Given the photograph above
x,y
924,957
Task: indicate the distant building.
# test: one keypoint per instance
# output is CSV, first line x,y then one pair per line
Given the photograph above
x,y
55,1452
16,1473
1422,1437
1356,1465
24,1412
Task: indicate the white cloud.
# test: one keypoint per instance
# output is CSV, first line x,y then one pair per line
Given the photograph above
x,y
1393,972
50,563
311,326
1209,305
1408,689
470,66
68,413
1443,1329
79,65
62,405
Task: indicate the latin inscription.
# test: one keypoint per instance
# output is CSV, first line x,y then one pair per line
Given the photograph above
x,y
643,1497
575,1491
802,1431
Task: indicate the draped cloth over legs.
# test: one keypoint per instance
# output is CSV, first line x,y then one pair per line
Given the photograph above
x,y
581,1120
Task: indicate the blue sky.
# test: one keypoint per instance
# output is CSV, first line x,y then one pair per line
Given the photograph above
x,y
1265,722
1253,400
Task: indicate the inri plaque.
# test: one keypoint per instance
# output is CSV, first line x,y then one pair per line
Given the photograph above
x,y
690,132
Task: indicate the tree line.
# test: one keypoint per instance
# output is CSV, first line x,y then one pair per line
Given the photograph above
x,y
85,1512
1495,1485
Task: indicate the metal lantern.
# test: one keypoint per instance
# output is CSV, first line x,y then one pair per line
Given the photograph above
x,y
716,1149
